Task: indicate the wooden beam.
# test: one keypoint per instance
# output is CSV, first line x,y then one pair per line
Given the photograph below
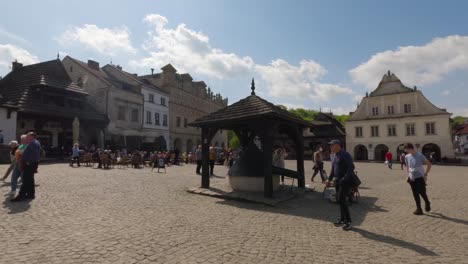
x,y
267,148
205,183
207,136
300,157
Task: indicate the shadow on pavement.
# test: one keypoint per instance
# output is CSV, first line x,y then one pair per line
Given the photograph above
x,y
394,241
16,208
451,219
312,205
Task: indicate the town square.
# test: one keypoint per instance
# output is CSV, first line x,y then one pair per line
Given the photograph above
x,y
90,215
233,131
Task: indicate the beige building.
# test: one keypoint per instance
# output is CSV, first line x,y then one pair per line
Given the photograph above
x,y
392,115
189,100
120,102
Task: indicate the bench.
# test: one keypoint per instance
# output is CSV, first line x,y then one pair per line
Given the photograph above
x,y
286,173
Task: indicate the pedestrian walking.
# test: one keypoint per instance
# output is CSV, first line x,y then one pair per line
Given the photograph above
x,y
318,165
13,147
75,155
417,176
389,159
198,156
29,165
213,156
342,170
402,160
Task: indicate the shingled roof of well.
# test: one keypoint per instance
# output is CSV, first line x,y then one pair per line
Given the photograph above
x,y
252,107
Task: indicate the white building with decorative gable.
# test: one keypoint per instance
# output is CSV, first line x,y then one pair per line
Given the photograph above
x,y
393,115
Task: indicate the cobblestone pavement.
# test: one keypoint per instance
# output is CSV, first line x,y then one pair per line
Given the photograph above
x,y
88,215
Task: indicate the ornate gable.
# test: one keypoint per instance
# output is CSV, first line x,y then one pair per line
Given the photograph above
x,y
390,84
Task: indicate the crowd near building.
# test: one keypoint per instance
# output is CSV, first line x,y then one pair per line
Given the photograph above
x,y
72,101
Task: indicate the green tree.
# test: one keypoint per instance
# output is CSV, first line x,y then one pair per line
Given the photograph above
x,y
305,114
457,121
233,140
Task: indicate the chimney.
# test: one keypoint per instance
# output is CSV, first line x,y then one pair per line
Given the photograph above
x,y
16,65
152,71
119,67
93,65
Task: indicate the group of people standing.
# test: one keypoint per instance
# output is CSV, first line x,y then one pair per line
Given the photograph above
x,y
24,164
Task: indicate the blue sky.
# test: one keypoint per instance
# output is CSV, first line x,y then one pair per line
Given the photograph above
x,y
310,54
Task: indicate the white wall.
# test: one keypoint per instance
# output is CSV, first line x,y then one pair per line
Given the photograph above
x,y
8,126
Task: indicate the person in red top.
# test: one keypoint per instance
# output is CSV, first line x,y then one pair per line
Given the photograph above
x,y
388,159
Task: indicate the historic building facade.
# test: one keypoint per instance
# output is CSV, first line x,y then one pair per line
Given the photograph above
x,y
155,127
189,100
48,102
392,115
121,102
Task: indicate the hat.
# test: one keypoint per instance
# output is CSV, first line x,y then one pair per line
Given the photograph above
x,y
334,141
13,142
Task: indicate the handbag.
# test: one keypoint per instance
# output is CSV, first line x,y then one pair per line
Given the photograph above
x,y
356,180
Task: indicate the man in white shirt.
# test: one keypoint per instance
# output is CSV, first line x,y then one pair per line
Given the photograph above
x,y
417,176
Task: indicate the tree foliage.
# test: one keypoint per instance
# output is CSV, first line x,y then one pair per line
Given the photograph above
x,y
233,140
309,115
457,121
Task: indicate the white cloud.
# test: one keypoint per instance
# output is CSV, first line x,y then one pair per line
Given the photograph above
x,y
9,53
338,110
13,37
460,112
190,51
419,65
105,41
303,81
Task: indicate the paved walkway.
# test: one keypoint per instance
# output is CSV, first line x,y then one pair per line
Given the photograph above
x,y
87,215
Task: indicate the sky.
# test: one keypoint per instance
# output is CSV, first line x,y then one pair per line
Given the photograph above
x,y
320,55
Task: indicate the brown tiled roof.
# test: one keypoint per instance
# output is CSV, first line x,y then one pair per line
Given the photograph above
x,y
462,130
250,108
22,88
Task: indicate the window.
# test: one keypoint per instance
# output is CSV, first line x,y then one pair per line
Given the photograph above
x,y
374,131
430,128
151,98
156,119
375,111
185,122
391,130
358,131
163,101
121,113
390,110
135,115
410,130
148,117
178,121
407,108
164,120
